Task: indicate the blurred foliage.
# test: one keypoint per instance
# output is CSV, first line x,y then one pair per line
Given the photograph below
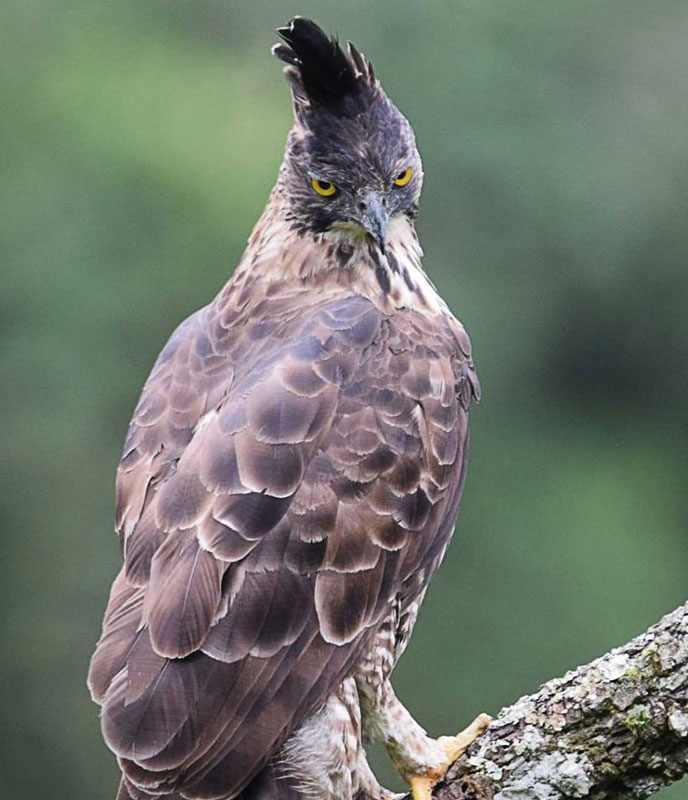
x,y
140,141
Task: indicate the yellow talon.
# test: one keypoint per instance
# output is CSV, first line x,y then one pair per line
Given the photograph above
x,y
421,787
454,747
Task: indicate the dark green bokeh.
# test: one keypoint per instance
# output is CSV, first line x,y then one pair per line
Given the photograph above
x,y
140,140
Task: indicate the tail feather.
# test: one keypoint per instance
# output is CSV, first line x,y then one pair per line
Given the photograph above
x,y
267,785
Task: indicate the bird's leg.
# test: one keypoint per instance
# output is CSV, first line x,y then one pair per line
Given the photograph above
x,y
421,760
453,747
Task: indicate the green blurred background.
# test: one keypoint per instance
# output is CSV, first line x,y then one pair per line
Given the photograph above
x,y
139,143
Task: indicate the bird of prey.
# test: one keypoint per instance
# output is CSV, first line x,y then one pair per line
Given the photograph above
x,y
290,481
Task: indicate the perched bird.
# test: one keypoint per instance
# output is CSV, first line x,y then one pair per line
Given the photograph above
x,y
290,481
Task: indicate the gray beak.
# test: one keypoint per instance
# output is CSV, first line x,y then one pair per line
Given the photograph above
x,y
374,218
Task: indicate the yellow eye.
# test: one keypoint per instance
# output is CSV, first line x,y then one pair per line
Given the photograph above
x,y
323,188
404,177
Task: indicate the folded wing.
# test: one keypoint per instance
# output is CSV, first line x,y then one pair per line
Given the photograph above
x,y
264,544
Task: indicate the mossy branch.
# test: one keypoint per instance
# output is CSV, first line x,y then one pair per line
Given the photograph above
x,y
616,728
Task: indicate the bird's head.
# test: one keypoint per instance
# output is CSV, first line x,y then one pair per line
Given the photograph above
x,y
351,163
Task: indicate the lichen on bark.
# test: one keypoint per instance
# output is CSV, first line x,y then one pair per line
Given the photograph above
x,y
615,728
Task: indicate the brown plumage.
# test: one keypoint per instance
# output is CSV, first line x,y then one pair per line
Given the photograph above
x,y
290,479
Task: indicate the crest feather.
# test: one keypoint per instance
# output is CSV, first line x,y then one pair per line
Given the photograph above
x,y
321,72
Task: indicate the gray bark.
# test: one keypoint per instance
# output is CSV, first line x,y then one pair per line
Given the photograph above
x,y
615,728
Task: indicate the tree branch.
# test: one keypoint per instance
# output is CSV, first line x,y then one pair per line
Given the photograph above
x,y
615,728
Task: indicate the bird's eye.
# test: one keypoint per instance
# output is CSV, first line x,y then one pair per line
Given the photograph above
x,y
404,177
323,188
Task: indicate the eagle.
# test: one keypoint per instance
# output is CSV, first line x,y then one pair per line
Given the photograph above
x,y
290,481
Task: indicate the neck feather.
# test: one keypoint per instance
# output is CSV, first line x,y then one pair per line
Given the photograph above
x,y
339,262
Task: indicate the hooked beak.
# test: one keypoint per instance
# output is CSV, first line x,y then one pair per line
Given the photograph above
x,y
375,218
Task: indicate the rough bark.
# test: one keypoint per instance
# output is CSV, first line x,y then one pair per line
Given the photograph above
x,y
615,728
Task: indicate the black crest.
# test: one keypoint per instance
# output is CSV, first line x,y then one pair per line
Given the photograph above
x,y
321,73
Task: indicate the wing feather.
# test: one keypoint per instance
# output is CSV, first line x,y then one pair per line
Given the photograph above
x,y
120,628
184,593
